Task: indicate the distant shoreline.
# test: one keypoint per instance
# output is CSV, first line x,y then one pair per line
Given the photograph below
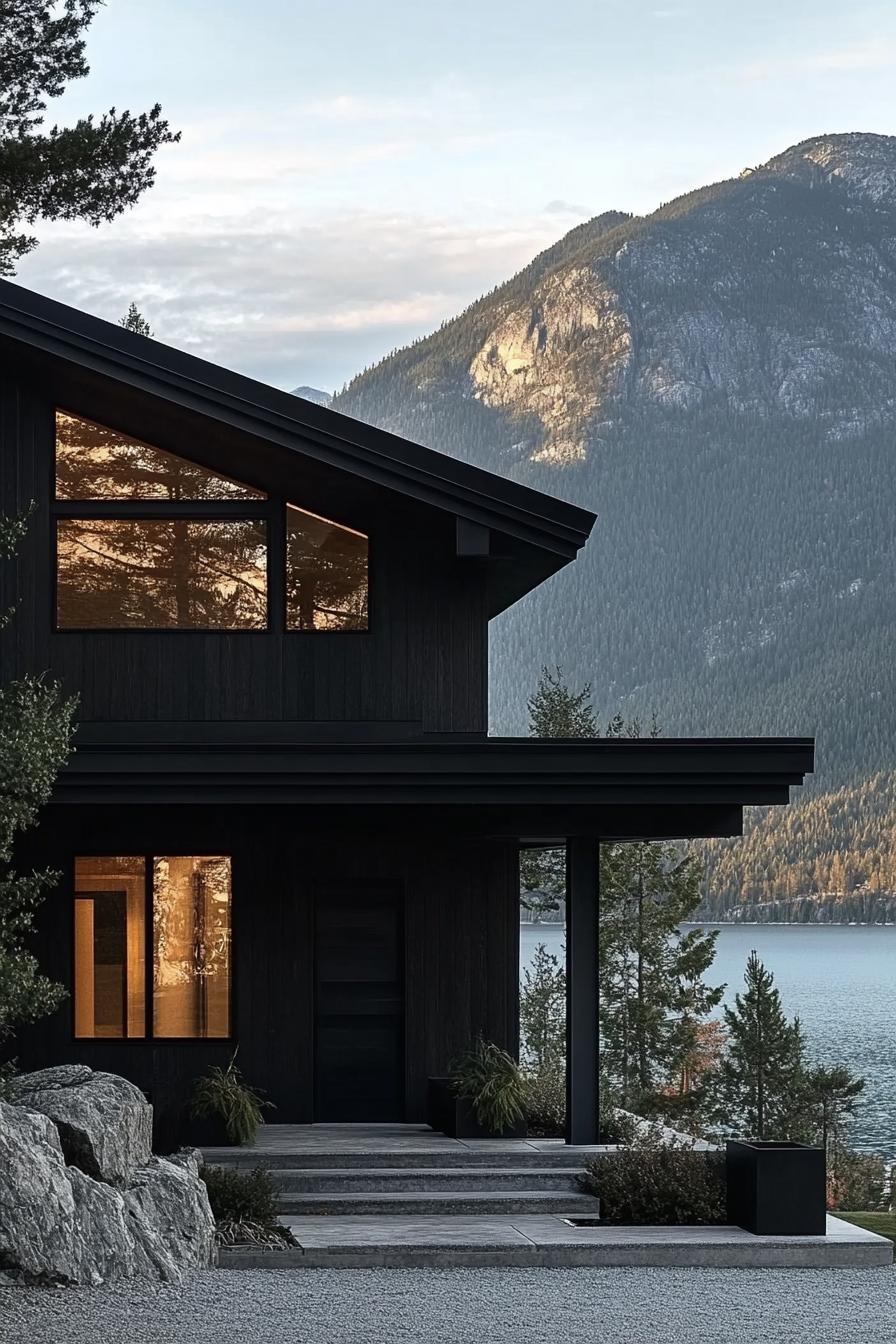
x,y
786,924
743,923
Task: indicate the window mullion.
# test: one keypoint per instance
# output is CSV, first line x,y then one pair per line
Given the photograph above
x,y
163,508
149,1014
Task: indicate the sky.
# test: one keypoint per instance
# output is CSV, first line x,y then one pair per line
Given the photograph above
x,y
351,173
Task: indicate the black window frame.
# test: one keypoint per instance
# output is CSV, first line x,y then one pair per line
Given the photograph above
x,y
269,510
148,1038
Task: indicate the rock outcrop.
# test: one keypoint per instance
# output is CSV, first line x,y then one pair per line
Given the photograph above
x,y
104,1122
59,1223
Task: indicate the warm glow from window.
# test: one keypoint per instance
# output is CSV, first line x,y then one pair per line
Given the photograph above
x,y
166,574
93,462
326,574
191,947
110,947
190,967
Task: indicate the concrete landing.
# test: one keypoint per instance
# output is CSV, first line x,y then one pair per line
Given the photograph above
x,y
392,1145
529,1240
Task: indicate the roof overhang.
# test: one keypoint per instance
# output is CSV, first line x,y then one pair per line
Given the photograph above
x,y
541,534
616,788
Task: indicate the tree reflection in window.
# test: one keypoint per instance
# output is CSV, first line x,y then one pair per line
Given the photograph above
x,y
191,946
93,462
181,574
190,961
326,574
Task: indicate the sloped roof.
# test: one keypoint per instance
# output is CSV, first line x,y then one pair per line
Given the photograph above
x,y
555,528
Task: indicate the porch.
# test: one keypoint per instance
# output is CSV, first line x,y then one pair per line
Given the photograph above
x,y
404,1196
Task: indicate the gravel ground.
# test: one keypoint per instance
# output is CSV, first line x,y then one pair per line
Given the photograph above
x,y
467,1306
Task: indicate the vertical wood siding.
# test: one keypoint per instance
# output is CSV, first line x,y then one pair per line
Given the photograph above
x,y
460,939
422,660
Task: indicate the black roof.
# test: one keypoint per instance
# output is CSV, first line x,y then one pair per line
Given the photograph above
x,y
621,787
547,532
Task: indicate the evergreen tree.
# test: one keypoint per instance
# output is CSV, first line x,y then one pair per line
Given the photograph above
x,y
543,1013
833,1093
653,996
35,733
93,170
134,320
762,1085
556,711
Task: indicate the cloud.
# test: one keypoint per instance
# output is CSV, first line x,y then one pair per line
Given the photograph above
x,y
879,54
559,207
279,294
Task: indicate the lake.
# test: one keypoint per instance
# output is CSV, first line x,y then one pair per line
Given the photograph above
x,y
841,980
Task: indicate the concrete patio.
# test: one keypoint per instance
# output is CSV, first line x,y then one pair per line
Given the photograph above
x,y
403,1196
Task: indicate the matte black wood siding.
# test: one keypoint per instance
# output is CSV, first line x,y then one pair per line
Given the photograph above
x,y
424,658
461,943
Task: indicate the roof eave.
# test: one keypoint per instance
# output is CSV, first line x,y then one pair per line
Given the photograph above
x,y
54,329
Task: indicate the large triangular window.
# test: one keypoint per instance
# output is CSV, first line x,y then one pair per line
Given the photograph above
x,y
93,462
149,540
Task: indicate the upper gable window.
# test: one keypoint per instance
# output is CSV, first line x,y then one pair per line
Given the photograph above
x,y
148,540
93,462
161,574
326,574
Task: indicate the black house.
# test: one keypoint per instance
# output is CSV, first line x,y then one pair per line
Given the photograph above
x,y
285,826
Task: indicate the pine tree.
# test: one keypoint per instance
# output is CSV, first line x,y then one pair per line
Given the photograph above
x,y
93,170
761,1074
543,1013
134,320
35,733
653,996
833,1092
556,711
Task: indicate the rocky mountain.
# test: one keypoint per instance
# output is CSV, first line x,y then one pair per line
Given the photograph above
x,y
313,394
718,380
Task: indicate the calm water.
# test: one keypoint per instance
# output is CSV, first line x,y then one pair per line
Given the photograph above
x,y
841,982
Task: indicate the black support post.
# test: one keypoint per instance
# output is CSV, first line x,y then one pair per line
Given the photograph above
x,y
582,1048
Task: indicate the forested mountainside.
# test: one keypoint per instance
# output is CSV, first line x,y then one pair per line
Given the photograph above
x,y
826,859
718,381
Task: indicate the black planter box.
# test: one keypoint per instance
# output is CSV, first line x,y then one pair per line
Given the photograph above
x,y
453,1115
205,1131
776,1189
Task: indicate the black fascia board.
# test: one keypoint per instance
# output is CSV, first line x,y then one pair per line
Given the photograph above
x,y
55,329
733,771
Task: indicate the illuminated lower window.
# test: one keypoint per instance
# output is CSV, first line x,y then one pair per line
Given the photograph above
x,y
186,901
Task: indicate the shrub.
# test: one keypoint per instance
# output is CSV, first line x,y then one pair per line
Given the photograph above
x,y
856,1180
544,1103
244,1204
654,1184
239,1196
223,1094
490,1079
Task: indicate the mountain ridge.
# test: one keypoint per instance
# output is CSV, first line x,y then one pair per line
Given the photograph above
x,y
717,380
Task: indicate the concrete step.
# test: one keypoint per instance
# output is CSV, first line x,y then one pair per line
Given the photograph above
x,y
365,1159
342,1243
448,1203
354,1180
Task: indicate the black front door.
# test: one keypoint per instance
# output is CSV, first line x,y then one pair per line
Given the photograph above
x,y
359,1005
